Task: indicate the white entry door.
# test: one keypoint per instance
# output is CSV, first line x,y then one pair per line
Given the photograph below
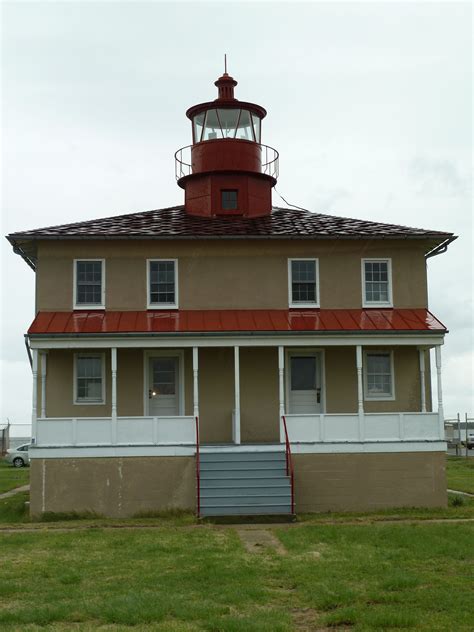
x,y
163,386
304,383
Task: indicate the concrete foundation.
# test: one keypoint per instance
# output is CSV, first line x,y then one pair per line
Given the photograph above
x,y
121,487
114,487
367,482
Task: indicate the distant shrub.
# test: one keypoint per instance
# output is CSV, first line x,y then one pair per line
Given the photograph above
x,y
456,501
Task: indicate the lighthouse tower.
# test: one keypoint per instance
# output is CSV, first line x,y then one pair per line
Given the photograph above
x,y
227,171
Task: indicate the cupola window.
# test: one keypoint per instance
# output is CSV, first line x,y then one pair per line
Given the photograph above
x,y
229,200
219,123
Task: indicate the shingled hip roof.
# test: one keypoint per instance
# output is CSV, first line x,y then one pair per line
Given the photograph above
x,y
175,223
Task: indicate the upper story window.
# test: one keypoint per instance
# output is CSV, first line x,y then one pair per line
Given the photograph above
x,y
376,283
378,375
303,282
162,283
229,200
89,284
89,379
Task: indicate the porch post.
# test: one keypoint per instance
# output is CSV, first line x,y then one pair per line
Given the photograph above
x,y
360,393
440,392
43,384
237,396
195,383
113,358
34,409
422,380
281,382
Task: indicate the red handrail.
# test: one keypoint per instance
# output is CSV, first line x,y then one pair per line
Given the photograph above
x,y
198,467
289,465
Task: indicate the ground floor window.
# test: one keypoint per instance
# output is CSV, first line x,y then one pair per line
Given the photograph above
x,y
378,375
89,382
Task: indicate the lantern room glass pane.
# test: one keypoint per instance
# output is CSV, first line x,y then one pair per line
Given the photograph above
x,y
228,120
198,125
245,129
257,127
212,128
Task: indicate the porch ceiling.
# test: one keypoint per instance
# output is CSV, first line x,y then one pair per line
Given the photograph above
x,y
236,321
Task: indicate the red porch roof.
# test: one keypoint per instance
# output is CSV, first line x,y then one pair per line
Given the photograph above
x,y
221,321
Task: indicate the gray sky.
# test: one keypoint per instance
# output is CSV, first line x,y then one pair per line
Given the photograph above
x,y
369,105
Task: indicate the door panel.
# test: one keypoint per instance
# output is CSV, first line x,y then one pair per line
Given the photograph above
x,y
304,384
163,381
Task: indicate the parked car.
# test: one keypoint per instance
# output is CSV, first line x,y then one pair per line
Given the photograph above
x,y
470,440
19,456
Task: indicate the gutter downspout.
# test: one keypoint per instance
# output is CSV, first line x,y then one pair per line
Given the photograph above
x,y
28,350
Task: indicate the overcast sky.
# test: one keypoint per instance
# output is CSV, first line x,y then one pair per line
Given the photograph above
x,y
369,105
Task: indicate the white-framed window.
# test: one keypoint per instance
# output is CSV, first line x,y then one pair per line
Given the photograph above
x,y
379,378
303,282
89,283
89,378
162,283
377,283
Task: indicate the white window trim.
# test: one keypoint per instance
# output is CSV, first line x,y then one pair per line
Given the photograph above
x,y
168,353
313,305
77,305
388,303
151,305
82,402
379,398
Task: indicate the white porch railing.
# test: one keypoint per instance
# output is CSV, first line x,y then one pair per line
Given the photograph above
x,y
377,427
104,431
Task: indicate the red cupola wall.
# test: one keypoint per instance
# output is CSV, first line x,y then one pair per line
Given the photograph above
x,y
227,171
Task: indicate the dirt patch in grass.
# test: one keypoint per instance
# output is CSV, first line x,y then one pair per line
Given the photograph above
x,y
258,540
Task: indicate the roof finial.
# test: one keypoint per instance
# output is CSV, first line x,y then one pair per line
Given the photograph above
x,y
225,63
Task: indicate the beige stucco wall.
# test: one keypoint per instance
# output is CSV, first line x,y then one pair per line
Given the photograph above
x,y
360,482
115,487
217,274
259,397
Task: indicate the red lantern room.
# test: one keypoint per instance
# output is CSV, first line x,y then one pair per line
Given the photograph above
x,y
227,171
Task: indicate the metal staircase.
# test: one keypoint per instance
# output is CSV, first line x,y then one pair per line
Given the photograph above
x,y
244,483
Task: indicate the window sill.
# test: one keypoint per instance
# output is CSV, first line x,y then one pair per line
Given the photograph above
x,y
382,398
304,306
89,403
366,305
78,308
161,306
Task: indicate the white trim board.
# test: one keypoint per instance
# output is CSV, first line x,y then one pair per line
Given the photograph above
x,y
244,340
180,450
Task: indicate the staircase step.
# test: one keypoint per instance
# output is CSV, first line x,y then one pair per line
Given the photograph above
x,y
276,472
242,465
238,501
244,482
267,490
247,510
208,457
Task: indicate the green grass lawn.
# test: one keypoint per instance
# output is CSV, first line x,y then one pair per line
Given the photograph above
x,y
11,477
366,577
460,473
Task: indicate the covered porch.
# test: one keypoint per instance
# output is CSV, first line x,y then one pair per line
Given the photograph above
x,y
237,394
